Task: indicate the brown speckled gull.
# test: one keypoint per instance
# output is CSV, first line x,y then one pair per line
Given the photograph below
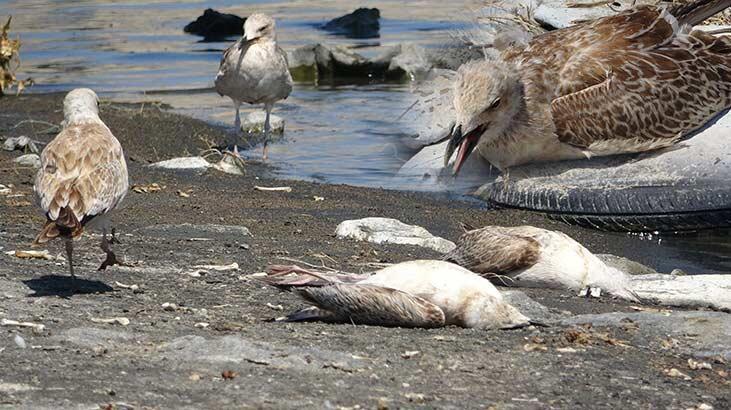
x,y
83,175
636,81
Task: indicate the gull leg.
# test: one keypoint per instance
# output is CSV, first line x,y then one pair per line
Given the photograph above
x,y
237,121
114,239
69,255
111,258
267,128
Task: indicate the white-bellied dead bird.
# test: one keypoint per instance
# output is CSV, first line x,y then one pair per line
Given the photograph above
x,y
421,293
83,176
10,61
632,82
533,257
254,70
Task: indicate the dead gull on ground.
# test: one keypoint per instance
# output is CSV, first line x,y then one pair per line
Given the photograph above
x,y
535,257
421,293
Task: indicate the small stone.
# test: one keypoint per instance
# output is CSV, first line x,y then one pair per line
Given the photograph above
x,y
169,307
677,373
410,353
696,365
183,163
29,160
19,341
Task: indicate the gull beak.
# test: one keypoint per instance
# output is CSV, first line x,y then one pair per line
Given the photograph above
x,y
464,143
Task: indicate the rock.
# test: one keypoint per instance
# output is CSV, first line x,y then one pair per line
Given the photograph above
x,y
626,265
387,230
409,59
183,163
189,231
213,25
362,23
426,170
91,337
338,64
711,331
254,123
302,64
29,160
196,351
21,143
694,291
20,342
529,307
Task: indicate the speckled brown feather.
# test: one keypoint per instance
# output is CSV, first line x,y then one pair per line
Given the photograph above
x,y
635,76
372,305
495,250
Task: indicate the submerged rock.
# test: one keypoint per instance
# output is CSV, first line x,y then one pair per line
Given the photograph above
x,y
387,230
254,123
362,23
216,25
183,163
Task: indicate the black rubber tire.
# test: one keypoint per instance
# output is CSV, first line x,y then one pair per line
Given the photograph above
x,y
635,209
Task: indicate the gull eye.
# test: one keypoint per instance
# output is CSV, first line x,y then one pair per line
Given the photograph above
x,y
495,104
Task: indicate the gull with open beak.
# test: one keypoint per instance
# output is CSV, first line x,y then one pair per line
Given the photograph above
x,y
254,70
636,81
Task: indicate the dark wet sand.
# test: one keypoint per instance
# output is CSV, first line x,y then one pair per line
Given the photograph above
x,y
78,362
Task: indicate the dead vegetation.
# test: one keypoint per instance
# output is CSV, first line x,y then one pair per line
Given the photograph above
x,y
10,61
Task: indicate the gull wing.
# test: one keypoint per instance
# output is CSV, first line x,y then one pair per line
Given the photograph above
x,y
368,305
83,169
495,249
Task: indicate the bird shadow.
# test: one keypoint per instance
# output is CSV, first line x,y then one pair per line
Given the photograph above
x,y
65,286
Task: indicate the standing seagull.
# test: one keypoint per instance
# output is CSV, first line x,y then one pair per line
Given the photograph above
x,y
83,176
636,81
255,70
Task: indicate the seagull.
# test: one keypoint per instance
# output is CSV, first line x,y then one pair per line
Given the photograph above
x,y
421,293
533,257
83,176
636,81
255,70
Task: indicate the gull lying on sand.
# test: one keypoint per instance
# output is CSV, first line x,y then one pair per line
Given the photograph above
x,y
422,293
534,257
83,176
254,70
636,81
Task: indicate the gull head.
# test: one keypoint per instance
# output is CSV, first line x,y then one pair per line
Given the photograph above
x,y
80,105
257,26
487,97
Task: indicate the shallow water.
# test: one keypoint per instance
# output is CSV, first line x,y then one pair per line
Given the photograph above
x,y
131,51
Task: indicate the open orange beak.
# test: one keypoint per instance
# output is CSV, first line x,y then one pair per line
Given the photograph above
x,y
466,144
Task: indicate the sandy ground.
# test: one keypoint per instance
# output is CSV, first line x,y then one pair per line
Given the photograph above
x,y
214,346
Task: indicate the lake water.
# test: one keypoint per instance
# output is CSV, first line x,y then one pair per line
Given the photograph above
x,y
133,51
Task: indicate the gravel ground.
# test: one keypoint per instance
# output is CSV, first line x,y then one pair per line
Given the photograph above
x,y
203,342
